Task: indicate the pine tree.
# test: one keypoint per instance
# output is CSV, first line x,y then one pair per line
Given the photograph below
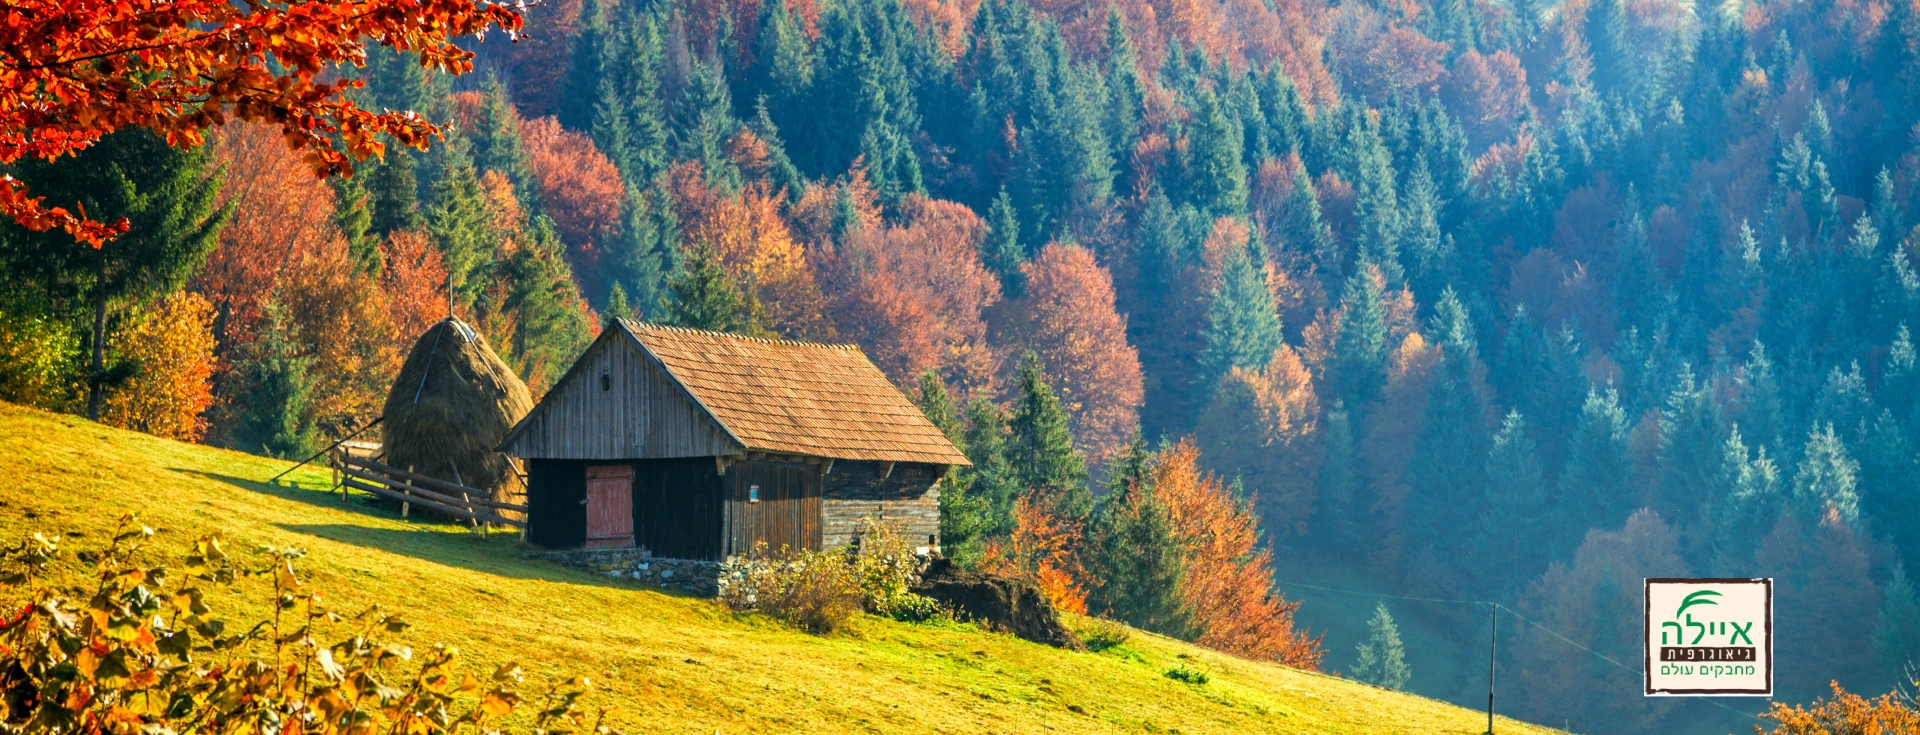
x,y
395,196
1890,482
1136,553
964,519
1514,525
1360,347
1606,35
705,296
1339,478
1124,89
646,255
1827,479
553,323
1896,638
1596,488
1376,205
1217,173
646,128
1041,448
1242,327
607,127
780,169
1748,503
1382,660
617,306
1429,252
580,88
994,480
170,198
497,145
1002,250
462,227
273,400
704,124
1690,439
1763,418
352,213
783,61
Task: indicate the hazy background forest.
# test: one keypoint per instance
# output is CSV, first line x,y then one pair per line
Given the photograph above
x,y
1495,299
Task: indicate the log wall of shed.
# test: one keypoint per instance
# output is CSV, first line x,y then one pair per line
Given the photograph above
x,y
907,499
637,413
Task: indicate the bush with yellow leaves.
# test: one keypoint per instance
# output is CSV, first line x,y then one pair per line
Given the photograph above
x,y
136,650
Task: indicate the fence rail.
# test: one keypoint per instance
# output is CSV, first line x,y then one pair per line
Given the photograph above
x,y
412,488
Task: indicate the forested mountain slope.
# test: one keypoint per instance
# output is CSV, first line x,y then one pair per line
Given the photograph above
x,y
1513,300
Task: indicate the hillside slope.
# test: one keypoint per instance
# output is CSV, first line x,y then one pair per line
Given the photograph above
x,y
672,663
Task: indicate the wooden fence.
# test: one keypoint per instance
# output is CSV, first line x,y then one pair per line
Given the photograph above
x,y
412,488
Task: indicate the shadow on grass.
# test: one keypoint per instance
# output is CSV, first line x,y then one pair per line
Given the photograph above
x,y
441,542
310,494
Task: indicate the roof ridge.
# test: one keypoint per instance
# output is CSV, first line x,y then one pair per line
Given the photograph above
x,y
650,326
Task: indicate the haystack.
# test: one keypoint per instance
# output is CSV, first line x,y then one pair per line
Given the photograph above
x,y
451,405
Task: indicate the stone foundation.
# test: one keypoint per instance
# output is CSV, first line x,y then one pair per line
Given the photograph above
x,y
698,577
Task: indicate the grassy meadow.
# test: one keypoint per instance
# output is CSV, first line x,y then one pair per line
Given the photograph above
x,y
670,662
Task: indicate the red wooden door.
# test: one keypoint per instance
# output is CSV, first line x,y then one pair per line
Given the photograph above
x,y
609,506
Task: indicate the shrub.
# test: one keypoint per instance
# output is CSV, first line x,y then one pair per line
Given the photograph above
x,y
1190,676
138,649
1101,634
172,343
39,358
816,591
819,590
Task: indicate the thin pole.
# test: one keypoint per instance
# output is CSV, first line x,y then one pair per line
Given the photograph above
x,y
316,455
1493,644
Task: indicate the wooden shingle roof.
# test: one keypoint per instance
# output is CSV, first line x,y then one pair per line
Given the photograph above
x,y
796,397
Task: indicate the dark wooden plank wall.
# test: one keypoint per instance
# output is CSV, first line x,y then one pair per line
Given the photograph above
x,y
556,515
787,514
907,500
677,508
641,414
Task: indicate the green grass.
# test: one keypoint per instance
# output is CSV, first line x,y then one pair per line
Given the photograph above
x,y
672,663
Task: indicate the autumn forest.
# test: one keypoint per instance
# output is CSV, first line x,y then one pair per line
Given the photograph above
x,y
1507,300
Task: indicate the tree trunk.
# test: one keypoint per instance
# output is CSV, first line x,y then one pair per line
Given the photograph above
x,y
97,367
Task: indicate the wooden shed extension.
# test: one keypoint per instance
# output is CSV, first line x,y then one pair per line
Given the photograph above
x,y
699,444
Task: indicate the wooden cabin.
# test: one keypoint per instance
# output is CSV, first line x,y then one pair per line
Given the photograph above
x,y
700,445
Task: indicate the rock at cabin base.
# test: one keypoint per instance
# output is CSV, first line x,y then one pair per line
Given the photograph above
x,y
1002,603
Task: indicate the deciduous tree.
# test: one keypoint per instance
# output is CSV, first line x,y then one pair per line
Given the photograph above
x,y
1072,326
76,71
172,346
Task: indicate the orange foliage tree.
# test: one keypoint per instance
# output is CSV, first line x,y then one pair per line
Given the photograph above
x,y
414,277
1381,58
72,71
1488,93
279,215
1845,713
579,189
757,249
1596,601
912,295
172,344
1082,341
1041,548
1262,426
337,318
1228,582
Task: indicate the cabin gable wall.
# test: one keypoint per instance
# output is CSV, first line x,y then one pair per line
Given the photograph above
x,y
907,499
637,413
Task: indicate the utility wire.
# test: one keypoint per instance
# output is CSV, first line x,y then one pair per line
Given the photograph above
x,y
1510,611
